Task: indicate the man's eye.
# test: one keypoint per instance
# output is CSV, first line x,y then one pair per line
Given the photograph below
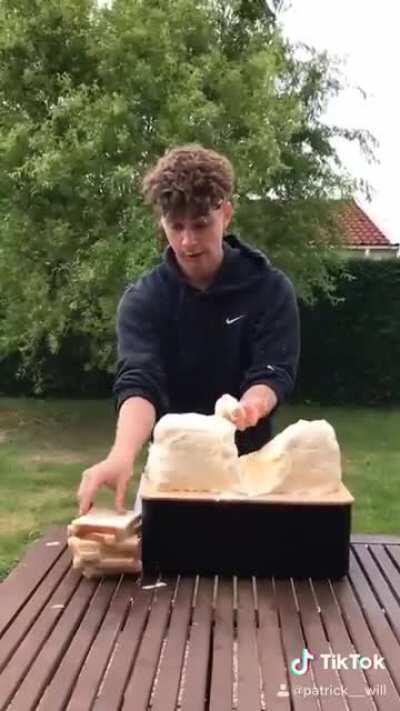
x,y
177,227
200,226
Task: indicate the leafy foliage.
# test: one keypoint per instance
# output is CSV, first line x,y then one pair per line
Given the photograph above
x,y
91,95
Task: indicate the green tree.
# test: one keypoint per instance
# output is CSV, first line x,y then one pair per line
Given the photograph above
x,y
91,95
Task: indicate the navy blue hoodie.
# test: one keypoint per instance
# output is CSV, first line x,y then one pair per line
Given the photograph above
x,y
181,348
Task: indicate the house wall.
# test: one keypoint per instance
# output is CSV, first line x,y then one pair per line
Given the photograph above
x,y
372,253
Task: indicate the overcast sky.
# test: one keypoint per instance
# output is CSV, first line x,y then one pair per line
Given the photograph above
x,y
366,34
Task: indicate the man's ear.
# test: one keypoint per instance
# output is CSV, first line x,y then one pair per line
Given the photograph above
x,y
227,211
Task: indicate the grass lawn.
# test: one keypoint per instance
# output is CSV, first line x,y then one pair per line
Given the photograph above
x,y
45,445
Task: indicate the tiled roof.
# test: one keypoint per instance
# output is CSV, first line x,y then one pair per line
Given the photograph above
x,y
359,229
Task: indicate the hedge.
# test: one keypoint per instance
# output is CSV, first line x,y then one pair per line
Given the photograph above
x,y
351,350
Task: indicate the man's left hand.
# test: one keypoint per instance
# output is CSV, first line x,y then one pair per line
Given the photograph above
x,y
258,401
246,415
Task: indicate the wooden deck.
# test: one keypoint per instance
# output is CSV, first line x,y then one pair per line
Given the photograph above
x,y
198,644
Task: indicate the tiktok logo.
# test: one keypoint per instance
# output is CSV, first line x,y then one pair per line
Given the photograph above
x,y
300,665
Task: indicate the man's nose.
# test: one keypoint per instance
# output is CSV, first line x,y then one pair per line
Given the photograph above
x,y
188,238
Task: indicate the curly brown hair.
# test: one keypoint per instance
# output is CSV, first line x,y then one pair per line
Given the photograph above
x,y
188,180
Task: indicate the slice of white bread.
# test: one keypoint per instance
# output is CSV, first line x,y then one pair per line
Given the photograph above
x,y
106,521
92,550
106,539
82,551
130,547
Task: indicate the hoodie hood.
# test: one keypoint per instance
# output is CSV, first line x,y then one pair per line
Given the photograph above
x,y
241,267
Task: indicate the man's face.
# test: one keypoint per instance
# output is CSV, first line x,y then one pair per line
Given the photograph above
x,y
197,242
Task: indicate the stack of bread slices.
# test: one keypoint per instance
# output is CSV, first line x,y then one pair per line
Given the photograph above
x,y
105,542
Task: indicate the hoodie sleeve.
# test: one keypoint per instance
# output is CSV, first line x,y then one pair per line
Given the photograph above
x,y
140,368
275,341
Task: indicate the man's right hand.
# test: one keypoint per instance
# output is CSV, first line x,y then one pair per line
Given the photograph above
x,y
113,472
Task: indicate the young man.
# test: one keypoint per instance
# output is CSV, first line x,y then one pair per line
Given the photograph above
x,y
213,317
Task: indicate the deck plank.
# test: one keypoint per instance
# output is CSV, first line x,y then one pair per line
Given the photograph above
x,y
249,692
389,563
197,670
271,651
221,689
394,553
294,642
382,538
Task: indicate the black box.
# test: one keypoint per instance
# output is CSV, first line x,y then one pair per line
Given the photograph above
x,y
274,535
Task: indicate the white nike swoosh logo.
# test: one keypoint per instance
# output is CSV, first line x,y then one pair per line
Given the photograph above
x,y
232,320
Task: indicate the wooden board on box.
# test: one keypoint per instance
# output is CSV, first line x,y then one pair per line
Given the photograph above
x,y
341,496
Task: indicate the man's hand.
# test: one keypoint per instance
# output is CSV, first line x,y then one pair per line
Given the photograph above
x,y
135,422
258,401
246,415
112,472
